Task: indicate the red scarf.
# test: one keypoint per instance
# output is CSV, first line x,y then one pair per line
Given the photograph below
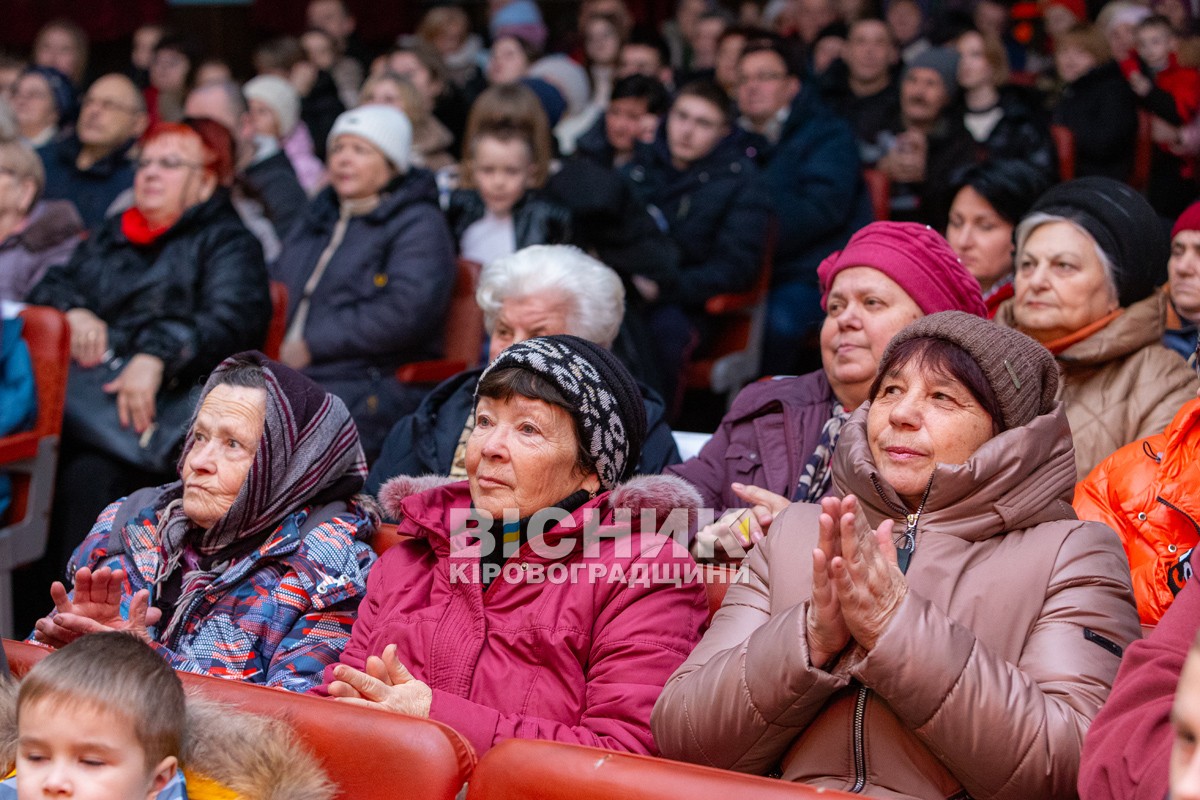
x,y
137,228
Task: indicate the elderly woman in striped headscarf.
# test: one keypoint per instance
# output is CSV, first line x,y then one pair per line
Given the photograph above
x,y
252,565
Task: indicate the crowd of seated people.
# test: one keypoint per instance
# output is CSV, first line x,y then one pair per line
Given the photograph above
x,y
968,253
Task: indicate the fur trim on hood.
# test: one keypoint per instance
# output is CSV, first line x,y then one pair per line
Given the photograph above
x,y
256,757
663,493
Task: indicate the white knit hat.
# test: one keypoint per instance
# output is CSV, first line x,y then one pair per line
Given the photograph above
x,y
280,95
383,126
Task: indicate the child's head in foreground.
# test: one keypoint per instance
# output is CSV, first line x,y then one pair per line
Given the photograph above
x,y
100,719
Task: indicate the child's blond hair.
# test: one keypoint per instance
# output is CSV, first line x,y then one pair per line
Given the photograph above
x,y
114,673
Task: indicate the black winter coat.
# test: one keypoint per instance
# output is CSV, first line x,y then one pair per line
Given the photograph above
x,y
424,442
193,297
1101,110
715,211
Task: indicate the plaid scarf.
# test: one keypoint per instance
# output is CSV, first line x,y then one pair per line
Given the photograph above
x,y
816,476
309,454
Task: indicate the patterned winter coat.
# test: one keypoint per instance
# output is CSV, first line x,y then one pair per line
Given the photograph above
x,y
277,616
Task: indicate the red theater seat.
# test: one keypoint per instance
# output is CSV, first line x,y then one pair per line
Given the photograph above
x,y
370,755
535,770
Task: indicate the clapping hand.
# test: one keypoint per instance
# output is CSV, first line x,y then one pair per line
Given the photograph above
x,y
386,684
857,583
95,607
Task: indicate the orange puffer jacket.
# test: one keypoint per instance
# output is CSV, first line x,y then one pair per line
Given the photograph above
x,y
1149,493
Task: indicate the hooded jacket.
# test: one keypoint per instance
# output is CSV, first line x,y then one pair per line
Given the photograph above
x,y
195,295
423,442
276,616
1120,383
987,676
576,658
765,440
1149,493
715,212
52,231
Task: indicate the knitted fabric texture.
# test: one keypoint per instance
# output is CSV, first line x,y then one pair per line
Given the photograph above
x,y
1123,225
1021,372
604,398
914,256
1189,220
387,128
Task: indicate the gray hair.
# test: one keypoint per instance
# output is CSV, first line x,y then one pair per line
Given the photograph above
x,y
1040,218
594,290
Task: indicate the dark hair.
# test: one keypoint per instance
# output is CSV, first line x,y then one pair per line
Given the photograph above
x,y
648,37
186,45
114,672
1009,186
948,360
281,53
1156,21
241,371
710,92
792,62
509,382
643,87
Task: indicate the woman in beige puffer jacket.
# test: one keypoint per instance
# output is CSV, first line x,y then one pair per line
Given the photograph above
x,y
1089,256
970,662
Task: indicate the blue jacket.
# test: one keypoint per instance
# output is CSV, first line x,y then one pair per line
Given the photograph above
x,y
715,212
424,441
18,401
277,616
814,181
92,190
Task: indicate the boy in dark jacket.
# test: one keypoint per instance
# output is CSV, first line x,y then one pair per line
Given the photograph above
x,y
697,181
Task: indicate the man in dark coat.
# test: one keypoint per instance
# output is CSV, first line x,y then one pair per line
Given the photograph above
x,y
91,166
812,175
862,87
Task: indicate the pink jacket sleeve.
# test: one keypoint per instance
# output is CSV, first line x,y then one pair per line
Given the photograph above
x,y
1127,751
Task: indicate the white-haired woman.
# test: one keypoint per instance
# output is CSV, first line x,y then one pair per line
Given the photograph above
x,y
541,290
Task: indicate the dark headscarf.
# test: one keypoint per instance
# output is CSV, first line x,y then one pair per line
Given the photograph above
x,y
61,91
309,454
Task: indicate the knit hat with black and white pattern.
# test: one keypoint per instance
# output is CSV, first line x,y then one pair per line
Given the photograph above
x,y
604,397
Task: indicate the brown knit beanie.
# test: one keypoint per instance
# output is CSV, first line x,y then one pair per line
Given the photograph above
x,y
1021,372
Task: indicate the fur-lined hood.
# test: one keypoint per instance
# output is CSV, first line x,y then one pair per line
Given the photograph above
x,y
255,757
663,493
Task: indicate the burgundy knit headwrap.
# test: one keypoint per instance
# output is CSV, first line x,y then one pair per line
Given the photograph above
x,y
1189,220
914,256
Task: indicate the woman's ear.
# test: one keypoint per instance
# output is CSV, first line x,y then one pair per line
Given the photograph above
x,y
29,192
208,185
161,776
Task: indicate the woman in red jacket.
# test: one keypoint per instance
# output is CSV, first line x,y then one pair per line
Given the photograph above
x,y
560,614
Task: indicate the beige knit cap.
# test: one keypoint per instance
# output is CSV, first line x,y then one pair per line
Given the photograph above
x,y
1021,372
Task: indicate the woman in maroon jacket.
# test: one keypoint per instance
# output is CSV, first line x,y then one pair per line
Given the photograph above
x,y
776,443
563,611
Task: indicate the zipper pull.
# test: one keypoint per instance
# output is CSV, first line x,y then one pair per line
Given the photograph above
x,y
905,550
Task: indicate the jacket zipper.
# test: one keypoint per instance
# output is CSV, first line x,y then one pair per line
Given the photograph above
x,y
860,744
1186,515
